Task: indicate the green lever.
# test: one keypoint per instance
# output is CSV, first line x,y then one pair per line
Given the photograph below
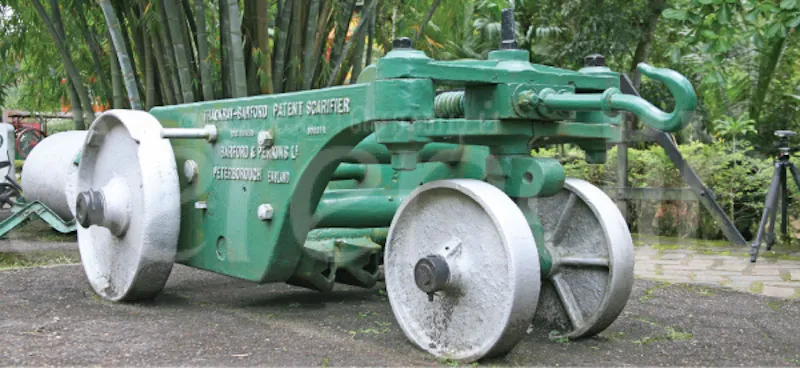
x,y
612,100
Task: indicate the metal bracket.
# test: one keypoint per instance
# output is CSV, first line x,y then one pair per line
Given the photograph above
x,y
32,210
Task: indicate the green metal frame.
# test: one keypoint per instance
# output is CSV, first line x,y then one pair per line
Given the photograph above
x,y
370,144
26,211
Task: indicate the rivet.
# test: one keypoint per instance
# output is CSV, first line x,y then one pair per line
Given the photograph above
x,y
265,212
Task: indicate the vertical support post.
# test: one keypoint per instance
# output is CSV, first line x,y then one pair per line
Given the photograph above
x,y
622,168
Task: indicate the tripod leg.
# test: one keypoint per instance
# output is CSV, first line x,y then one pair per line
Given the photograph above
x,y
769,208
784,202
769,234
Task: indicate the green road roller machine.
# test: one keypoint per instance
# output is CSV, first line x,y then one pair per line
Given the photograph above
x,y
424,167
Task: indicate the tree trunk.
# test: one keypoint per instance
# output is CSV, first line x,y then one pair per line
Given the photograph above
x,y
137,40
225,49
168,80
317,48
58,23
178,46
149,75
296,50
358,57
262,42
202,50
645,44
769,59
237,69
77,111
342,25
119,10
249,26
357,34
185,13
69,66
169,54
309,51
282,43
124,61
168,95
427,18
371,31
78,11
117,89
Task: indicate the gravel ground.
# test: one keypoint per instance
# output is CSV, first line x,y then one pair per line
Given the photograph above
x,y
49,316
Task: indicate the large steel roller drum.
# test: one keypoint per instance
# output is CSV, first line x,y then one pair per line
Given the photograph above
x,y
50,173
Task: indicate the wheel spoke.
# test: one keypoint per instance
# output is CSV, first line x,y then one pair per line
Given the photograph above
x,y
563,220
568,301
585,260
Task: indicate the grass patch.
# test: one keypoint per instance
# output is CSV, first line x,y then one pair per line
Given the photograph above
x,y
554,337
699,290
668,242
675,335
778,256
670,334
774,305
757,287
786,276
11,261
648,294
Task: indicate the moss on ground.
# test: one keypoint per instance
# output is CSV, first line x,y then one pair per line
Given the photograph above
x,y
14,260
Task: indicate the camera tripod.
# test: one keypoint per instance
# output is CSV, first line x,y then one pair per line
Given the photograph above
x,y
777,190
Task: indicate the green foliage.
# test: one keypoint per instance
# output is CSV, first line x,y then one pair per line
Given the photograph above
x,y
739,181
734,127
57,126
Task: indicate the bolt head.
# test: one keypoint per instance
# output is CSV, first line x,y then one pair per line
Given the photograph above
x,y
265,139
594,60
431,273
265,212
401,43
89,207
190,170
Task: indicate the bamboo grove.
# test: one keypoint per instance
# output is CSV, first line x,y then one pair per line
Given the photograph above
x,y
181,51
743,56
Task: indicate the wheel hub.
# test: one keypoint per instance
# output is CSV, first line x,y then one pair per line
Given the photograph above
x,y
431,274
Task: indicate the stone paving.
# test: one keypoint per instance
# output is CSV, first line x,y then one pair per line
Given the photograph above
x,y
726,267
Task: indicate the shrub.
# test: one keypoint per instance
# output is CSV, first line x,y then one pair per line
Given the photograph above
x,y
738,180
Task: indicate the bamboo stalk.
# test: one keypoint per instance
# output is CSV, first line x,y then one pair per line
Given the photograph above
x,y
169,53
202,50
282,43
317,48
122,55
309,51
356,34
237,54
179,48
167,94
262,43
342,25
298,13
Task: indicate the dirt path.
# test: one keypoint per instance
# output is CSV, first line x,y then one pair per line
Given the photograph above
x,y
49,316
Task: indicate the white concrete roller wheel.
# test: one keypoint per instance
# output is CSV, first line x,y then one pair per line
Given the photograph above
x,y
592,251
462,270
128,206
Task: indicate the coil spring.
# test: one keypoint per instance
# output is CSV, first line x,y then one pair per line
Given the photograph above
x,y
449,104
